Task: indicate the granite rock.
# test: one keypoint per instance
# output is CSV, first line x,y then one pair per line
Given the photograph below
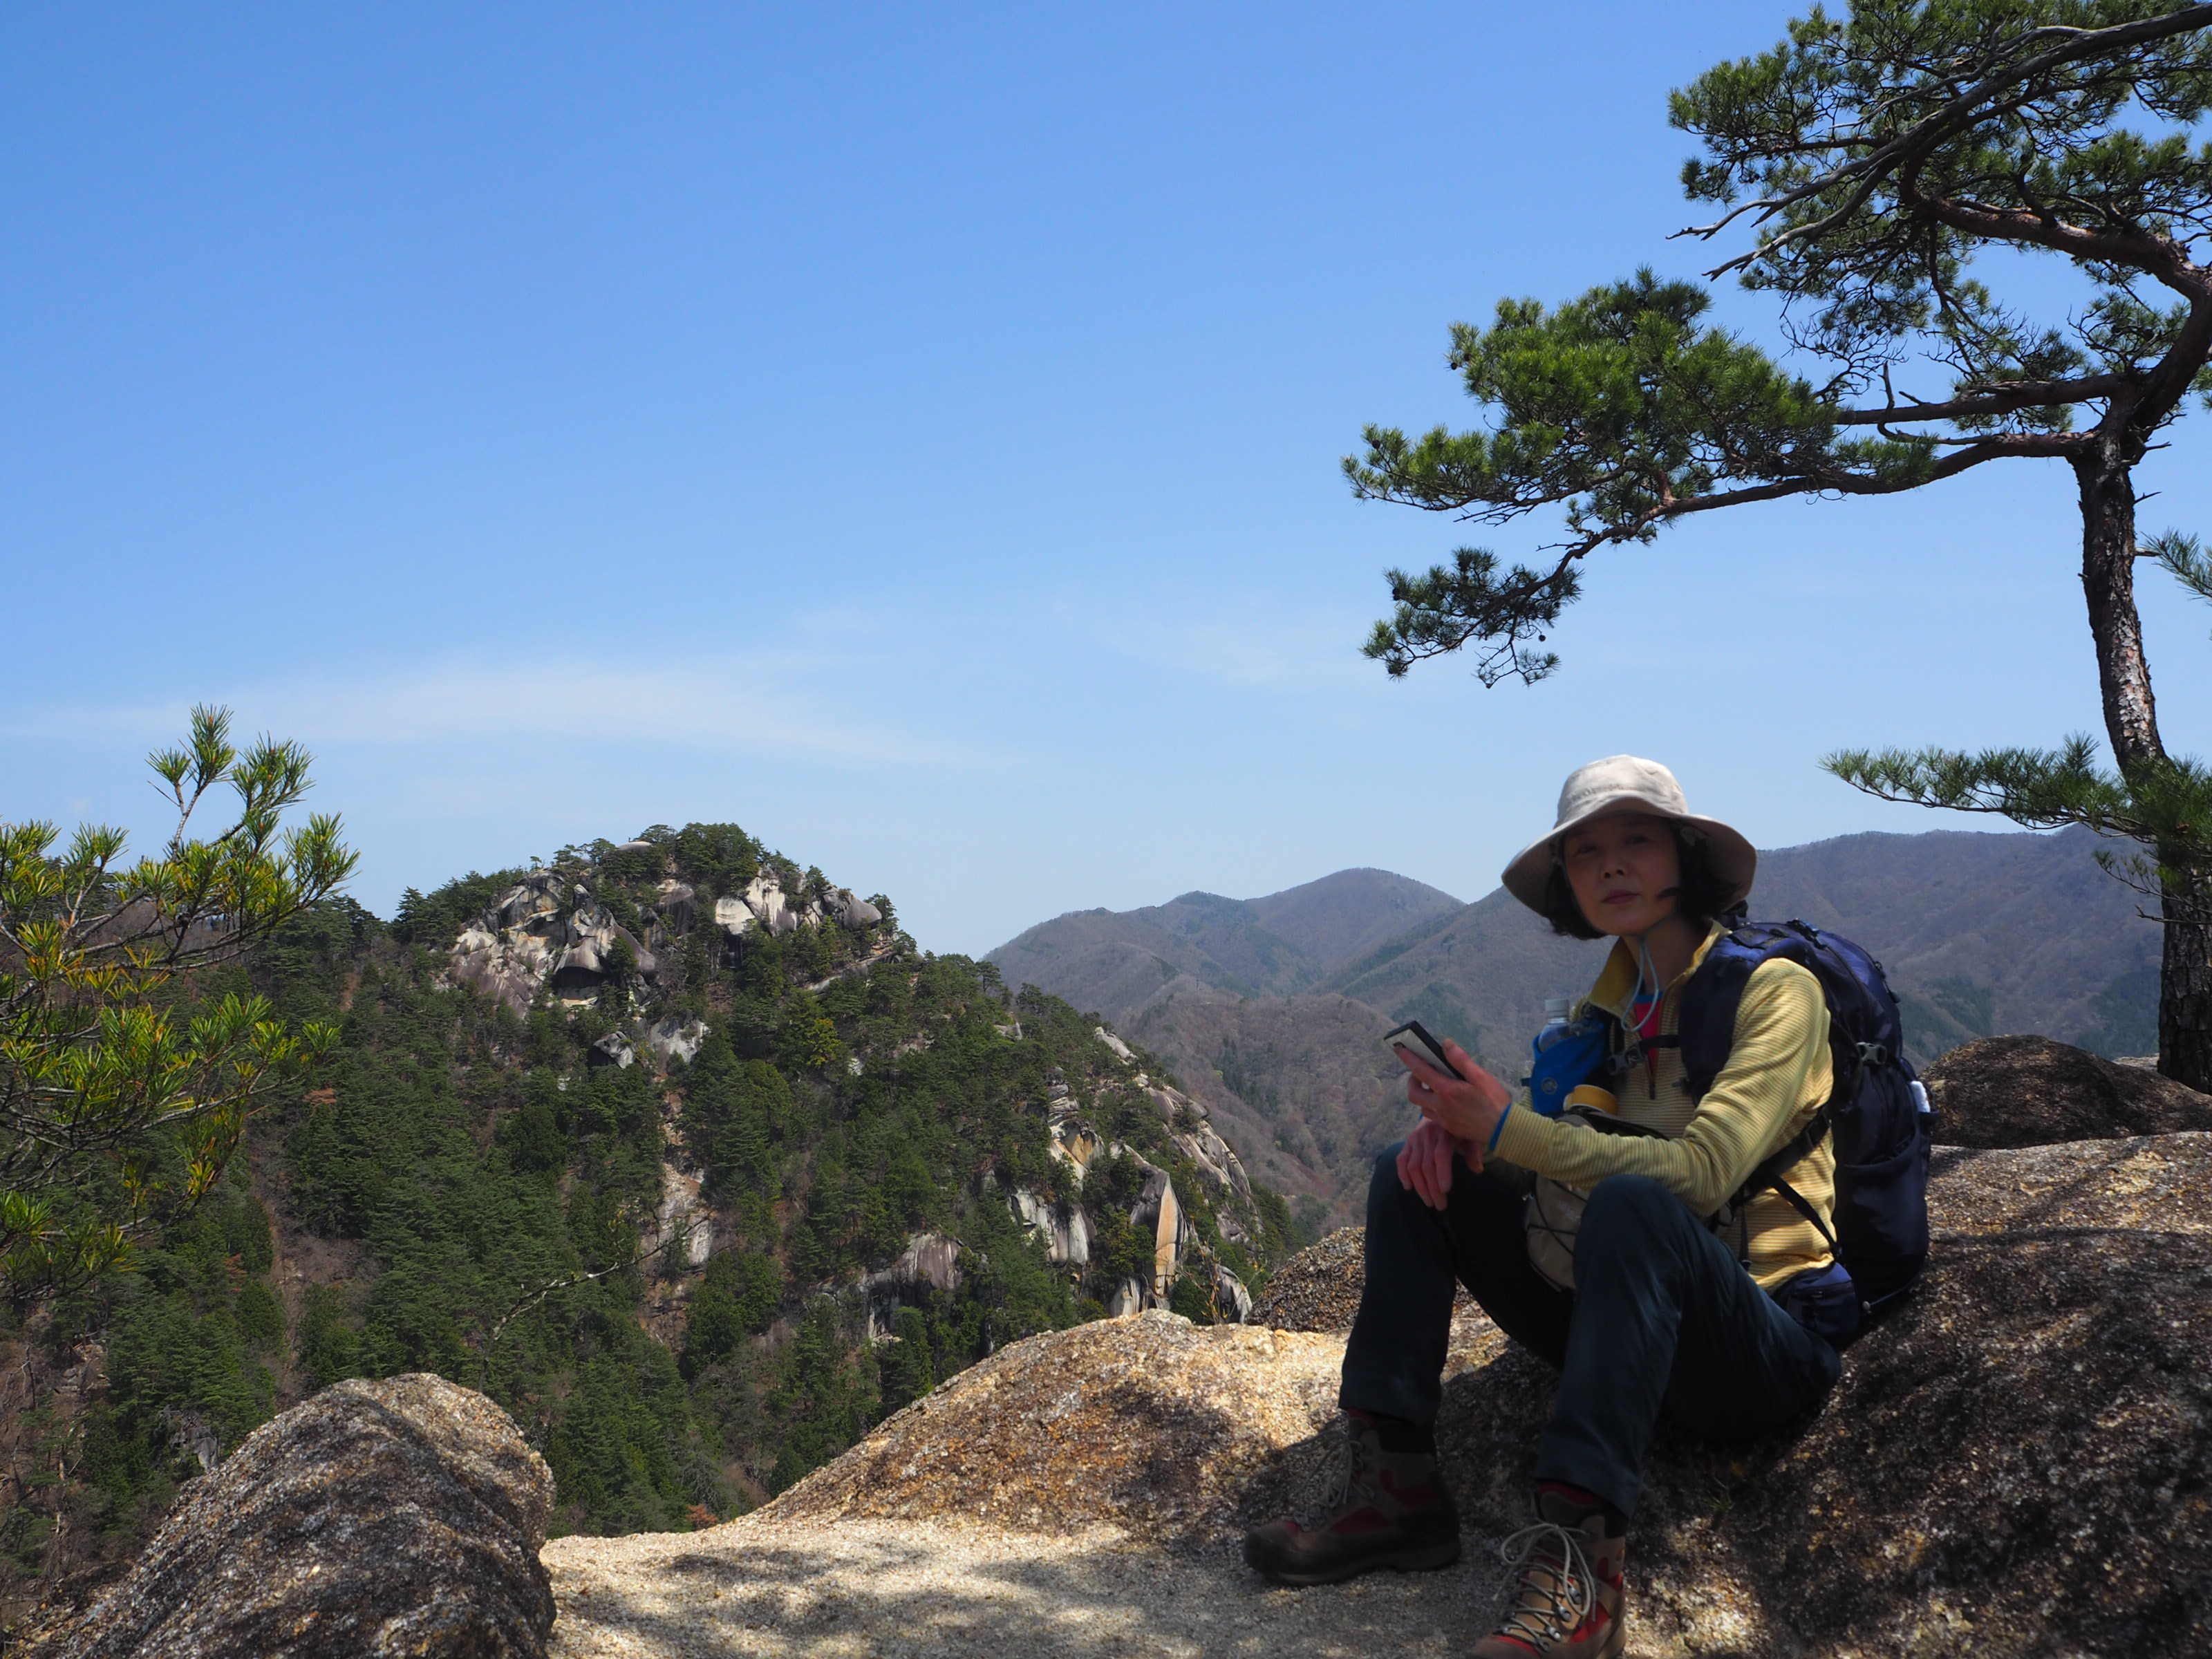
x,y
673,1037
853,912
2031,1091
544,931
2014,1462
389,1518
1318,1289
1148,1423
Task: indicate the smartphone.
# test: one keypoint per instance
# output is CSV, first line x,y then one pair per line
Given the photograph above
x,y
1414,1039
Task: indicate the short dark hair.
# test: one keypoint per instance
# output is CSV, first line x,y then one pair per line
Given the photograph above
x,y
1702,897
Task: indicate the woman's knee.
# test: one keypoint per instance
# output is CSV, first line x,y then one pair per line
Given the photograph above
x,y
1628,1207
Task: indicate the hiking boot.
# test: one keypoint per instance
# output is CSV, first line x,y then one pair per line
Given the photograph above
x,y
1387,1509
1573,1602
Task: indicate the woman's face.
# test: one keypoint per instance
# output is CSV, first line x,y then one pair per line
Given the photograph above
x,y
1623,869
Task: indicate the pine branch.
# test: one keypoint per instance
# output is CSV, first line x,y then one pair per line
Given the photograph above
x,y
1866,174
2185,559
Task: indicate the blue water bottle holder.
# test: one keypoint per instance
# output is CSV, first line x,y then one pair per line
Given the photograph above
x,y
1566,1055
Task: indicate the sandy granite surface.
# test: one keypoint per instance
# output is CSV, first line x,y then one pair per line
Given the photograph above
x,y
763,1586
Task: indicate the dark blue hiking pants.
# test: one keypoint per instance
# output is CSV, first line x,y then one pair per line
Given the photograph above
x,y
1662,1317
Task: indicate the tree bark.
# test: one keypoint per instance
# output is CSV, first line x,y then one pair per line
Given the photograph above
x,y
2105,472
2185,982
2108,582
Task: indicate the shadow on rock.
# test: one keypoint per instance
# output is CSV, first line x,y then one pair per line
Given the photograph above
x,y
866,1586
2015,1463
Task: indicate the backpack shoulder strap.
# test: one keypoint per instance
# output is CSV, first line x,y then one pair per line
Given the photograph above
x,y
1710,1003
1715,993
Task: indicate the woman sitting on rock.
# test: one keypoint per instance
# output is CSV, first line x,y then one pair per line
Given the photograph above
x,y
1665,1315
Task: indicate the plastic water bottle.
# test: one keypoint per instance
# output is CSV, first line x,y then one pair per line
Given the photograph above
x,y
1556,1028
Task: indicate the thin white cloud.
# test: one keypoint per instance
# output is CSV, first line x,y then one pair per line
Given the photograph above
x,y
1233,641
789,705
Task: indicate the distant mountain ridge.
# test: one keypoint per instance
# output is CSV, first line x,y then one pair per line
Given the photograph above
x,y
1277,945
1982,935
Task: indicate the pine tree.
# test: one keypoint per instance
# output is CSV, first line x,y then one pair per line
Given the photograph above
x,y
123,1094
1875,154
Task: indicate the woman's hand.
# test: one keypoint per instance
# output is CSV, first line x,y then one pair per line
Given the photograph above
x,y
1466,1110
1425,1162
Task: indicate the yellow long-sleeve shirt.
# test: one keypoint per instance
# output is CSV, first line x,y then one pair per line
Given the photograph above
x,y
1778,1073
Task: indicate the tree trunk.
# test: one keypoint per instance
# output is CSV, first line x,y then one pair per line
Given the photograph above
x,y
2108,583
2185,982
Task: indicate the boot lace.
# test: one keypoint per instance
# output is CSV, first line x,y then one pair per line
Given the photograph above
x,y
1558,1589
1348,1463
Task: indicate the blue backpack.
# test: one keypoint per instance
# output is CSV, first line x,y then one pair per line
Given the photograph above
x,y
1877,1110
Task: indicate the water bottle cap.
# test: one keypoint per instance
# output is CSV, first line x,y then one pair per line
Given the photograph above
x,y
1555,1007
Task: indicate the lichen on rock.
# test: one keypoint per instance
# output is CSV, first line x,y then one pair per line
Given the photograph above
x,y
395,1517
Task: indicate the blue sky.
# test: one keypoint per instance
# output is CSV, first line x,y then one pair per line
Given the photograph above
x,y
910,432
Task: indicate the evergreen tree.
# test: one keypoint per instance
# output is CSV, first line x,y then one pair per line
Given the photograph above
x,y
1876,154
124,1090
906,1368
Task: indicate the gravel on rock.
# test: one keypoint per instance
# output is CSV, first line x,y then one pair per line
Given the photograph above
x,y
767,1586
1318,1288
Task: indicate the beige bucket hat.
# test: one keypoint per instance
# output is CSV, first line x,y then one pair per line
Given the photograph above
x,y
1612,784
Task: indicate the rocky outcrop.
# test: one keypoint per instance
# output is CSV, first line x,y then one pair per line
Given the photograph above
x,y
931,1261
1232,1302
764,903
1318,1289
2016,1461
2031,1091
676,905
850,912
1064,1230
398,1517
682,1228
548,932
675,1038
1159,1210
764,897
1148,1423
545,932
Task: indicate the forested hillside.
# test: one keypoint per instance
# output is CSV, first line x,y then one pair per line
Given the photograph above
x,y
691,1160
